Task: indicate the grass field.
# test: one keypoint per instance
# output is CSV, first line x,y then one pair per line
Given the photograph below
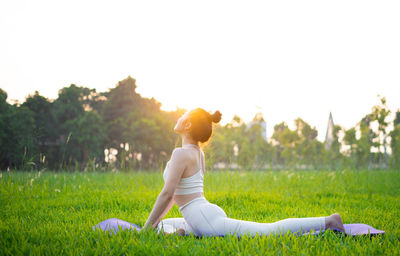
x,y
53,213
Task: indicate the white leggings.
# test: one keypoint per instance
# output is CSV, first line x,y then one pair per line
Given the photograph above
x,y
205,218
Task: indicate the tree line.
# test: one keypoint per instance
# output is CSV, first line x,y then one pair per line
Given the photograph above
x,y
119,129
373,143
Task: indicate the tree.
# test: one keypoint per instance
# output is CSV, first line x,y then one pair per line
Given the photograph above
x,y
366,142
285,140
45,132
259,149
139,123
350,140
4,109
17,141
120,111
220,148
91,136
307,147
380,114
333,156
395,142
81,131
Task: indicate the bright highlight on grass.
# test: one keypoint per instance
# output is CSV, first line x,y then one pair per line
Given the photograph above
x,y
53,213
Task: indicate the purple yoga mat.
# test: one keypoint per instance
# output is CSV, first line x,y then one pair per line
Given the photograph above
x,y
115,224
351,229
361,229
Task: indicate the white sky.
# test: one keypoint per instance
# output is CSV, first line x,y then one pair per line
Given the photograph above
x,y
287,59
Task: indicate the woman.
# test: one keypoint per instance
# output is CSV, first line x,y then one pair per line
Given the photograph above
x,y
184,175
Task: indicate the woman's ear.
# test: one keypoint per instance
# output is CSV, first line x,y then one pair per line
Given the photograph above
x,y
188,125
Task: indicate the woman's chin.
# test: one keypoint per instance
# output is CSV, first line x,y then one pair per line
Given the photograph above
x,y
178,130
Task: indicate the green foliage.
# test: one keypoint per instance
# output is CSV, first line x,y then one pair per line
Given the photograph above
x,y
139,123
395,145
380,114
45,129
53,213
361,149
333,158
299,147
73,131
240,144
81,133
120,129
17,139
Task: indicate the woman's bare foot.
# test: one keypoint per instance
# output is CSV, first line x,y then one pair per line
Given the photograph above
x,y
335,222
180,231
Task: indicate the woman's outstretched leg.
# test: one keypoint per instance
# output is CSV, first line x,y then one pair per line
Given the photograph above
x,y
210,220
293,225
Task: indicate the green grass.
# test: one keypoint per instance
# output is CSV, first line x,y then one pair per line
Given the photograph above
x,y
53,213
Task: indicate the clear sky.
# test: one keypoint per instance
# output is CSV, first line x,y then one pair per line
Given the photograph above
x,y
286,59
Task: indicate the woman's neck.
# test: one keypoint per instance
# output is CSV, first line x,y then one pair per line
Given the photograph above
x,y
186,141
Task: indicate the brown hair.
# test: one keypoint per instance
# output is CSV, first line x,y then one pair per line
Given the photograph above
x,y
202,124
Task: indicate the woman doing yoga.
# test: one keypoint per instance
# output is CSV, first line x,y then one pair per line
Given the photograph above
x,y
184,175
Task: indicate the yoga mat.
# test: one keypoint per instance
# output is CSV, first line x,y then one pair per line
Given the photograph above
x,y
358,229
114,225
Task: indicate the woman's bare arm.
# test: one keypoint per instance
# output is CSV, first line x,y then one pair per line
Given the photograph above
x,y
163,203
169,206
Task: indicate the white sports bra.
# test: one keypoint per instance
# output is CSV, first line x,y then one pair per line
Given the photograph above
x,y
192,184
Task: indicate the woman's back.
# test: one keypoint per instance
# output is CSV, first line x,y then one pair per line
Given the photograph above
x,y
191,182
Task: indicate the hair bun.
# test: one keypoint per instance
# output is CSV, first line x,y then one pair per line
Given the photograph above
x,y
216,117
